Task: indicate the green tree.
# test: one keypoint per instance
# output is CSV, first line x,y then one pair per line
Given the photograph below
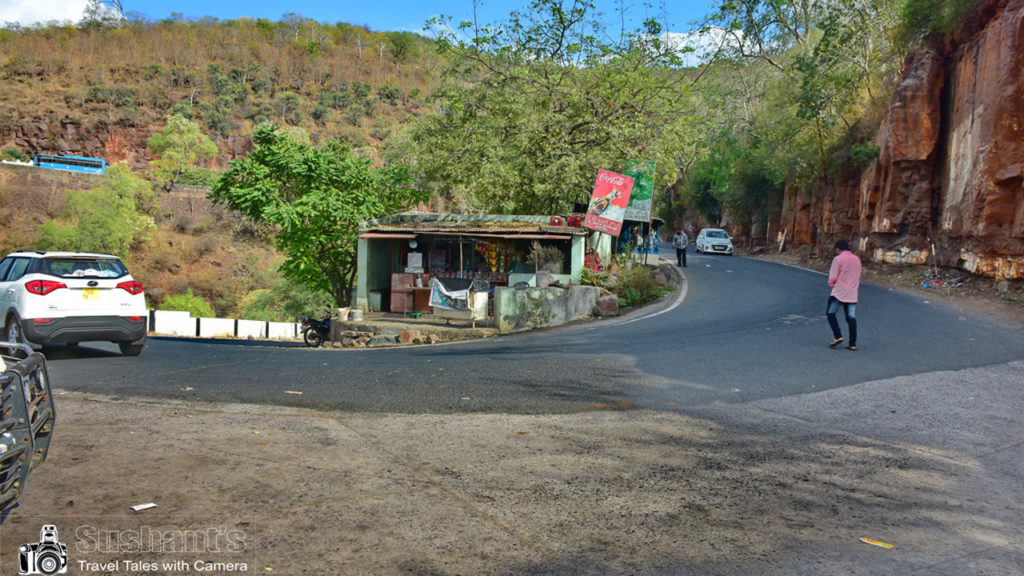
x,y
101,13
316,198
531,109
179,147
767,30
402,45
110,218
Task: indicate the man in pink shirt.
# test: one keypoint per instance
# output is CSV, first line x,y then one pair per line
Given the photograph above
x,y
844,278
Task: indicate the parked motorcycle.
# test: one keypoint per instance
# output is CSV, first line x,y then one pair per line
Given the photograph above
x,y
316,332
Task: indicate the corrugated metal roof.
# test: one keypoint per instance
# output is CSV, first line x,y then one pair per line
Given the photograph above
x,y
469,224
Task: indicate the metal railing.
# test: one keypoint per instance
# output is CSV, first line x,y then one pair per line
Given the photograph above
x,y
26,419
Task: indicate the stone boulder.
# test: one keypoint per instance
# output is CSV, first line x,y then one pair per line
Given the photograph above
x,y
607,305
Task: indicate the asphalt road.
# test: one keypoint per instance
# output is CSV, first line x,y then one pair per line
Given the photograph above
x,y
746,330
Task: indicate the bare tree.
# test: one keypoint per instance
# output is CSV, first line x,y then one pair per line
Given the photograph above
x,y
100,13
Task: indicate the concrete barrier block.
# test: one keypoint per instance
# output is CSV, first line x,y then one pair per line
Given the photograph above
x,y
216,328
282,330
173,323
254,329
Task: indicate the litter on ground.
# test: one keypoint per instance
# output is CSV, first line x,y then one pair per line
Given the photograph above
x,y
876,543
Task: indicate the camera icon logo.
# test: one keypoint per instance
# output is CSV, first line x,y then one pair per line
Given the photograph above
x,y
48,557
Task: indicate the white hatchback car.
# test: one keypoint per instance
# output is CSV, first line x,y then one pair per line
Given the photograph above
x,y
713,240
71,297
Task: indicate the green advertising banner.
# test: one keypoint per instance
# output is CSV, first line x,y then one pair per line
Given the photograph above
x,y
640,201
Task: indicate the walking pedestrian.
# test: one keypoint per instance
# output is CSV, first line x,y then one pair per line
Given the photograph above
x,y
844,278
680,242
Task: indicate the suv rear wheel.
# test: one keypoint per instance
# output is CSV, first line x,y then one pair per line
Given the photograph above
x,y
13,333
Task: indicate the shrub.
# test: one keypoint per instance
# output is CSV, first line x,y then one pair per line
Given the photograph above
x,y
98,94
864,154
335,100
354,114
284,302
262,86
636,285
206,245
389,94
591,278
183,109
320,114
199,177
14,154
197,306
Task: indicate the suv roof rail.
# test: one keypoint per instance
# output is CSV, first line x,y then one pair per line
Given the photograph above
x,y
72,254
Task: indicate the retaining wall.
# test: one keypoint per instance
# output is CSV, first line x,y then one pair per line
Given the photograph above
x,y
176,323
523,309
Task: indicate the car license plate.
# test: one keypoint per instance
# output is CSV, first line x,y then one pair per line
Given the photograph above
x,y
91,294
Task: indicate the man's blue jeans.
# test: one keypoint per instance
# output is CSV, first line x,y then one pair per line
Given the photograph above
x,y
850,310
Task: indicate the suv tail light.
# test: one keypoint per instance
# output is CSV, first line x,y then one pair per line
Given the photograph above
x,y
43,287
133,287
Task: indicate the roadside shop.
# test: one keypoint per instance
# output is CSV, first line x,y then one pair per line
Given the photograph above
x,y
400,255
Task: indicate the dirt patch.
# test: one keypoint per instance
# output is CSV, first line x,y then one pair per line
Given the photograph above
x,y
299,492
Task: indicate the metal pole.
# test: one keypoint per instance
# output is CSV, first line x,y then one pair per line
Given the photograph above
x,y
650,221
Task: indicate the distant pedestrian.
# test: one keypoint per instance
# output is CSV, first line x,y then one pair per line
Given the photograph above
x,y
844,278
680,242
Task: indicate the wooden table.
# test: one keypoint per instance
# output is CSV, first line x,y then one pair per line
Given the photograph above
x,y
421,299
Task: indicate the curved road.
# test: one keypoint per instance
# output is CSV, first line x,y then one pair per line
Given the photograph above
x,y
746,330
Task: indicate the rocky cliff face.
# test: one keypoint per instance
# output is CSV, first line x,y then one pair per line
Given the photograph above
x,y
112,142
949,181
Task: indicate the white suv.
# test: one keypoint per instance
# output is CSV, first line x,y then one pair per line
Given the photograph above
x,y
70,297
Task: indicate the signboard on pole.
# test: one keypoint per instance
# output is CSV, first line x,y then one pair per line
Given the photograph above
x,y
642,198
608,202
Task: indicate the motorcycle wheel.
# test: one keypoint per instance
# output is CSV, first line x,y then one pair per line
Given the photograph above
x,y
312,339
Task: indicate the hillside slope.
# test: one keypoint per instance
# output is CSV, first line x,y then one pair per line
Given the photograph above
x,y
197,246
104,92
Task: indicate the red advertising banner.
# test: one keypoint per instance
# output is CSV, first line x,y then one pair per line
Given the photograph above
x,y
608,203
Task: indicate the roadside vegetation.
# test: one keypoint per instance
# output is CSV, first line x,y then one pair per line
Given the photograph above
x,y
634,283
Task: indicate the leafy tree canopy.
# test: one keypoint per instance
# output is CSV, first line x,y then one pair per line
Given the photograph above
x,y
179,147
530,110
315,198
788,97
